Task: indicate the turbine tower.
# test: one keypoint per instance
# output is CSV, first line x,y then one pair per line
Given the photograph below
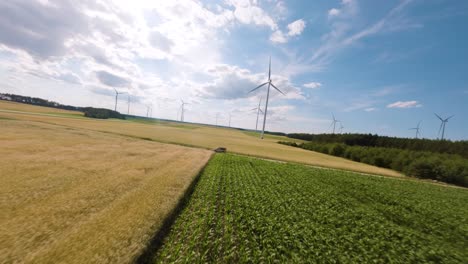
x,y
128,109
149,110
442,124
116,97
333,123
417,128
341,127
259,110
182,110
268,96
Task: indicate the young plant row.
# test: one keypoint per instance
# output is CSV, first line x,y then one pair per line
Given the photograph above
x,y
245,210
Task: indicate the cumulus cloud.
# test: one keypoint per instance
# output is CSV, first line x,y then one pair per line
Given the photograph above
x,y
40,29
278,37
112,79
404,104
248,12
160,41
295,28
312,85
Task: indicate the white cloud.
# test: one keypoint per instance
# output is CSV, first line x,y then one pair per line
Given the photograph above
x,y
296,27
312,85
333,12
278,37
404,104
248,12
370,109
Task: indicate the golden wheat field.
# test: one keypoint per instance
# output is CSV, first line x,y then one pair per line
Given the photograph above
x,y
207,137
70,195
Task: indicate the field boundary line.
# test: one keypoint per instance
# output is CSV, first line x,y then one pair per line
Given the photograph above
x,y
156,241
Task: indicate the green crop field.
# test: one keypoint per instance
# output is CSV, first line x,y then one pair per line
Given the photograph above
x,y
249,210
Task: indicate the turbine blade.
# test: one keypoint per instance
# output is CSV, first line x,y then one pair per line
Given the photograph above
x,y
277,88
258,87
439,117
449,117
254,108
261,111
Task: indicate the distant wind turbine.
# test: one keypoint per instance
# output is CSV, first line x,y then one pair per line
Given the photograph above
x,y
341,127
182,109
217,116
333,123
259,110
149,110
116,97
268,96
442,124
229,119
128,109
417,128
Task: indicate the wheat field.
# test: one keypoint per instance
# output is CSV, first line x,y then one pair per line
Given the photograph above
x,y
69,195
198,136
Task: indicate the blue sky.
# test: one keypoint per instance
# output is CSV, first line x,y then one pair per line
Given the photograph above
x,y
378,66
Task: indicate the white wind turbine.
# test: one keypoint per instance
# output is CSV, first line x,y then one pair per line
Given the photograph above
x,y
417,128
182,109
116,97
259,110
442,125
341,127
333,123
268,96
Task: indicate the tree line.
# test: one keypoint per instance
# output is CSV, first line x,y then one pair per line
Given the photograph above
x,y
92,112
369,140
450,168
37,101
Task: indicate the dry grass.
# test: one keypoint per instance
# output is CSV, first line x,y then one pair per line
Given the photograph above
x,y
78,196
209,137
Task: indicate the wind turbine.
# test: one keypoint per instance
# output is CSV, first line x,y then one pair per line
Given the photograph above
x,y
417,128
229,119
217,116
149,110
442,124
128,110
116,96
182,105
333,123
268,96
259,110
341,127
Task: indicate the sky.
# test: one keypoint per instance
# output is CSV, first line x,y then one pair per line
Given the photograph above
x,y
379,67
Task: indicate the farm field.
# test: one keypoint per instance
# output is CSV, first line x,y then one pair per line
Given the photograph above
x,y
78,196
247,210
198,136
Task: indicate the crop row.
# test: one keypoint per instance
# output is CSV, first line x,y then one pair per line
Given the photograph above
x,y
249,210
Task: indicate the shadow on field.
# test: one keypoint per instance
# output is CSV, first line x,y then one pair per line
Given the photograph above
x,y
157,240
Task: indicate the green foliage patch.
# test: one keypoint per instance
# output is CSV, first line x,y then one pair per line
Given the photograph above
x,y
247,210
448,168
